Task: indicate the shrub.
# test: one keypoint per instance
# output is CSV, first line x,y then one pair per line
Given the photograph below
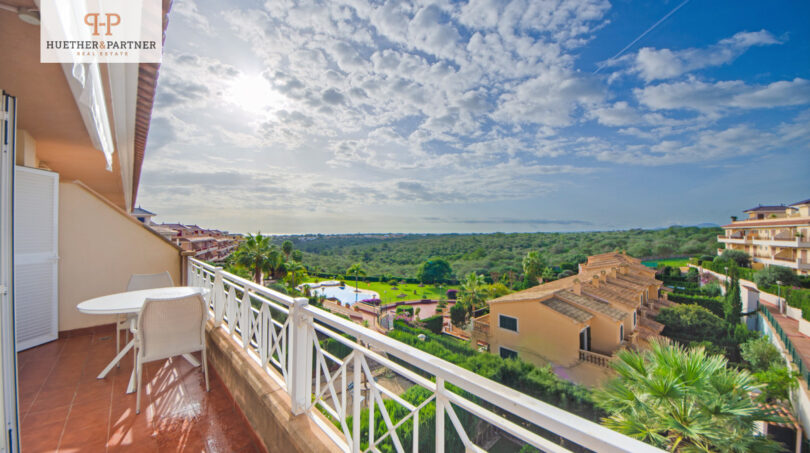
x,y
434,323
713,289
771,274
760,354
452,293
713,305
405,309
687,323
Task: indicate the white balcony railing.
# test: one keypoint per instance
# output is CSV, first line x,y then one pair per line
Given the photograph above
x,y
282,336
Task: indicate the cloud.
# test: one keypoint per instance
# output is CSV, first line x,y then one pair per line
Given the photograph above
x,y
715,97
657,64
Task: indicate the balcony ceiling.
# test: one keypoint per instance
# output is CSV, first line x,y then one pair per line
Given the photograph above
x,y
46,109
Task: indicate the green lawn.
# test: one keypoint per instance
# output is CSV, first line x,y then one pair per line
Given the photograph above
x,y
674,262
411,290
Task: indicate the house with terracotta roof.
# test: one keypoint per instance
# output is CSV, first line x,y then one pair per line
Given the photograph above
x,y
610,304
775,235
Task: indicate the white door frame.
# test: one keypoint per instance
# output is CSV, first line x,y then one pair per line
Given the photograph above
x,y
9,409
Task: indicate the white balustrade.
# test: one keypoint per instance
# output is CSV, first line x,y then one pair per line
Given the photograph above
x,y
283,335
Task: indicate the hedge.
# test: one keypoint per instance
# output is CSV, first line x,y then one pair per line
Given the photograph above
x,y
714,305
434,323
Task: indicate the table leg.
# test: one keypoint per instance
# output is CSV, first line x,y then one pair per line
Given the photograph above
x,y
131,386
191,360
116,359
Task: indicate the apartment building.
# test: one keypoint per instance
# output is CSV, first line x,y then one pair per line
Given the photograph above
x,y
609,304
772,236
205,244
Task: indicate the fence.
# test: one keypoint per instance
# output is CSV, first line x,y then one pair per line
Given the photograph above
x,y
282,334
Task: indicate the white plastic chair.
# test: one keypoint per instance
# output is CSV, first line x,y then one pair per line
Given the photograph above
x,y
138,282
167,328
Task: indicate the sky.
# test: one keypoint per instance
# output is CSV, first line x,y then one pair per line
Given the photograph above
x,y
293,117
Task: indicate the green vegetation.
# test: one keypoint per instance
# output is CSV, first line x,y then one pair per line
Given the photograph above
x,y
434,271
494,255
683,399
669,262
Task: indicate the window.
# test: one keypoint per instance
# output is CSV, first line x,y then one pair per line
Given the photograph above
x,y
635,317
508,353
508,323
621,333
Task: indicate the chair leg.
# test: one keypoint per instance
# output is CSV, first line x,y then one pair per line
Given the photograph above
x,y
205,369
138,372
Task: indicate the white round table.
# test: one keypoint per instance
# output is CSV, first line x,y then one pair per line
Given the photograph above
x,y
130,303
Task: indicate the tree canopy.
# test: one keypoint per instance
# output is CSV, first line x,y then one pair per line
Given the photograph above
x,y
435,270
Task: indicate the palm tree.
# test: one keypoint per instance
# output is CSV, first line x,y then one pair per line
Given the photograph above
x,y
473,293
683,399
287,248
296,272
255,254
276,262
532,266
356,269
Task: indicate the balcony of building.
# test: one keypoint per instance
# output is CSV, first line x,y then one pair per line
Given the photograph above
x,y
276,388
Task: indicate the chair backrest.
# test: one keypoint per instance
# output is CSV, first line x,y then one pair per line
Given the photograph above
x,y
171,326
150,281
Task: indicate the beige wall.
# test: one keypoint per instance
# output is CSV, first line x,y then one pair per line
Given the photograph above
x,y
100,246
604,334
543,334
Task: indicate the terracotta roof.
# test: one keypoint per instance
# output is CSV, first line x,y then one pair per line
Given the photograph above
x,y
147,85
536,292
564,308
751,288
591,304
780,411
618,281
611,293
754,223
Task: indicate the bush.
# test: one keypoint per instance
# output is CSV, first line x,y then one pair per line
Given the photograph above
x,y
434,323
713,289
771,274
405,309
760,354
451,294
713,305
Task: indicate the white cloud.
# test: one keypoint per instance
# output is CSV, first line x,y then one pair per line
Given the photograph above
x,y
656,64
716,97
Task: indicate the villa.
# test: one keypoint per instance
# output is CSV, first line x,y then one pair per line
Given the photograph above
x,y
610,304
772,236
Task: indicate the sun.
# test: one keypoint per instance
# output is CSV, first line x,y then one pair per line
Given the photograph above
x,y
254,94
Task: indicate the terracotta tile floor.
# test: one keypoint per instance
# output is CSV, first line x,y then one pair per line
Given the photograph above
x,y
63,407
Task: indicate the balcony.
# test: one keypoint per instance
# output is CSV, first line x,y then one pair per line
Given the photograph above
x,y
274,387
595,358
733,239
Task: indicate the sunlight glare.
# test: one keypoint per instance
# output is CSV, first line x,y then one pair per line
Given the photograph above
x,y
254,94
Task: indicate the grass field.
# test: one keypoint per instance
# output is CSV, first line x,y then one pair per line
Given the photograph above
x,y
411,290
674,262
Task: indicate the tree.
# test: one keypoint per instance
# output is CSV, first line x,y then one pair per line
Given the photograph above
x,y
287,248
458,315
296,273
738,256
683,399
533,266
777,383
732,307
434,270
687,323
473,293
548,274
256,253
356,269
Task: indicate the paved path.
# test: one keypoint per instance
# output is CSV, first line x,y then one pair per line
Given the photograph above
x,y
800,341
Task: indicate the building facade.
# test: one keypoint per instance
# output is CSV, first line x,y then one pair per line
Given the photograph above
x,y
772,236
608,305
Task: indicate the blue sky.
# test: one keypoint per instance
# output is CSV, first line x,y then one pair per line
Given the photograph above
x,y
514,115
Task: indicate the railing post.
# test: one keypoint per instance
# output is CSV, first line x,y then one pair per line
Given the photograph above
x,y
300,356
440,402
218,297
